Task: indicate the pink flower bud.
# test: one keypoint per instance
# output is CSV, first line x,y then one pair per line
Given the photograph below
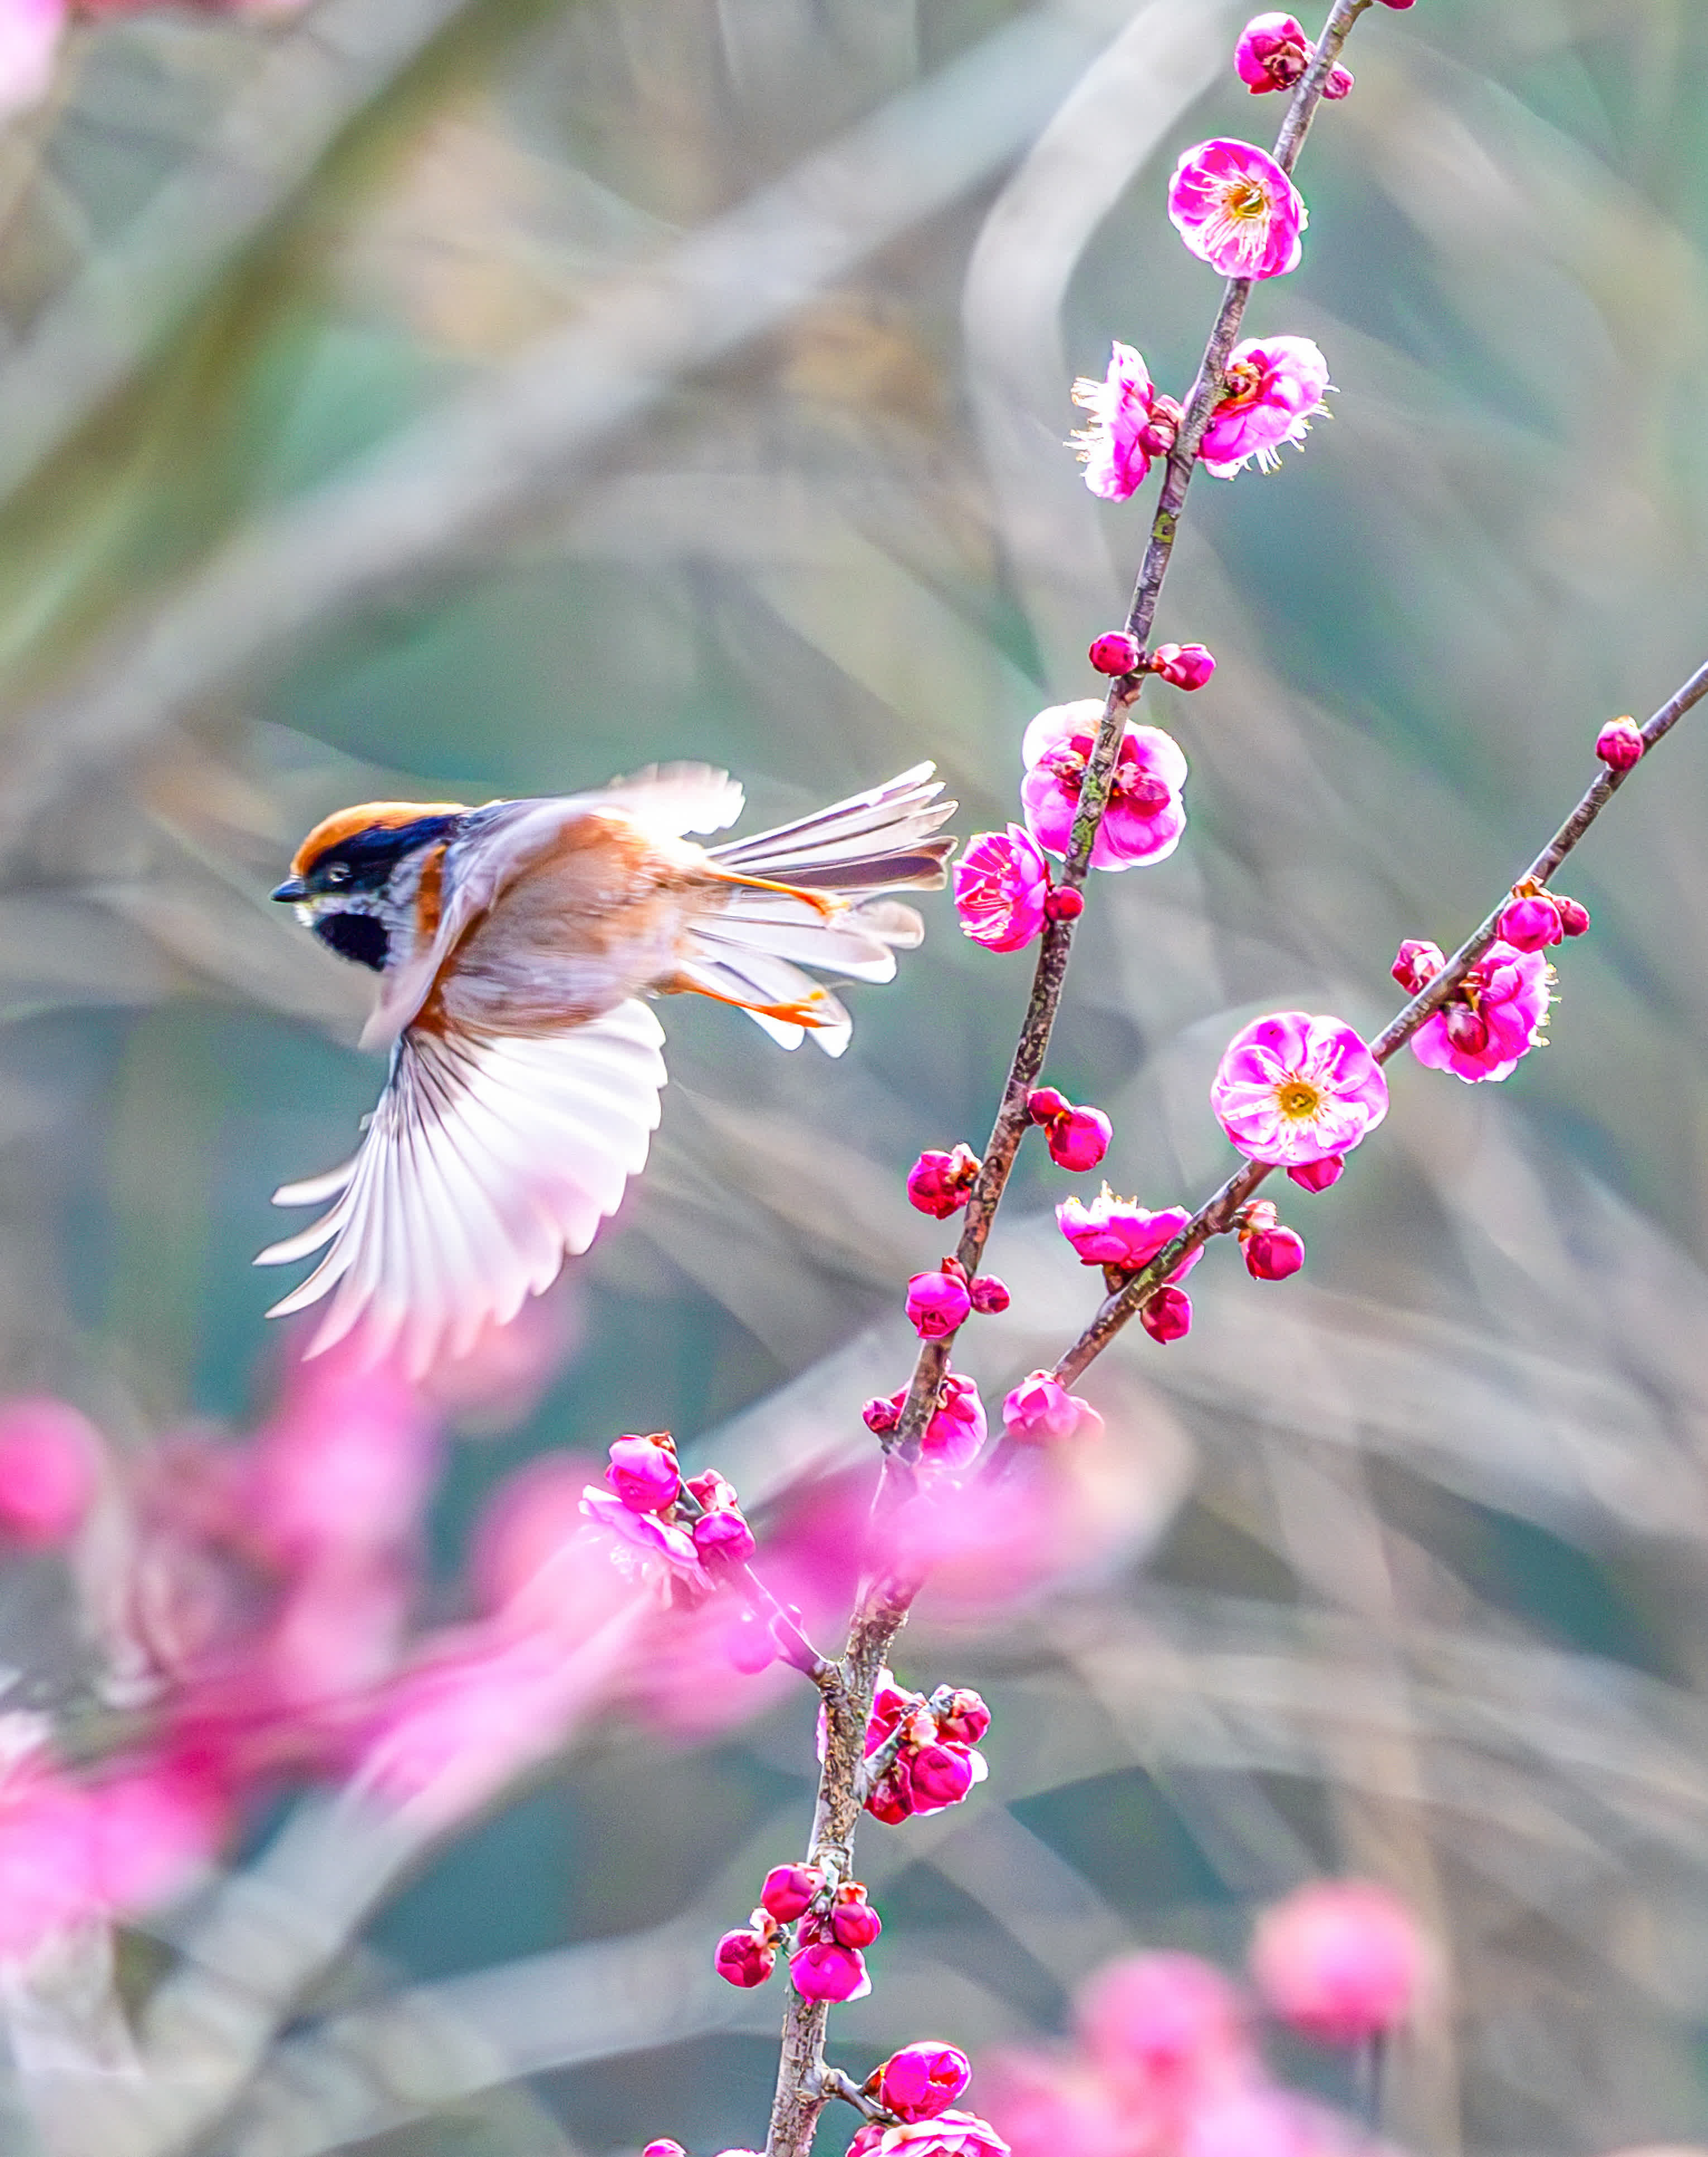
x,y
1574,919
1319,1175
1271,54
941,1775
990,1296
1078,1138
891,1707
1187,666
938,1304
743,1960
922,2080
825,1971
1273,1253
789,1889
1530,924
1158,435
940,1184
1115,652
1168,1315
749,1644
1041,1410
723,1538
48,1457
1063,904
1397,4
664,2149
714,1492
643,1472
962,1716
1416,965
1619,744
1341,1960
1340,82
1466,1029
882,1415
854,1923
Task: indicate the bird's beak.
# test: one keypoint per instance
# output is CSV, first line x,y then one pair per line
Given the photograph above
x,y
293,887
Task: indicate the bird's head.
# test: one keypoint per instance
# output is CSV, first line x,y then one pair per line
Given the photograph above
x,y
355,879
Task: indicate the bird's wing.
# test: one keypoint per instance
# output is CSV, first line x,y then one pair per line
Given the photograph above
x,y
488,1158
499,841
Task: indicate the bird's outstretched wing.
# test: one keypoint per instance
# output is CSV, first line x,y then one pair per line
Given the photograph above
x,y
488,1158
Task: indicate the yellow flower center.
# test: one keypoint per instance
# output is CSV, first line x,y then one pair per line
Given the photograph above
x,y
1298,1099
1244,198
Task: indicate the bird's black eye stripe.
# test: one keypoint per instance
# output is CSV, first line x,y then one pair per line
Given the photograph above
x,y
365,861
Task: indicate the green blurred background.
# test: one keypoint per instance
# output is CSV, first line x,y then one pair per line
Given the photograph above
x,y
472,400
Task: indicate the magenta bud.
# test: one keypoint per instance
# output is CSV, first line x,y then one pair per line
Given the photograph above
x,y
1574,919
1078,1138
880,1414
643,1472
941,1775
1158,436
962,1716
940,1184
1273,1253
789,1889
1187,666
1466,1029
938,1304
749,1647
723,1538
1530,924
1063,904
1416,965
666,2149
1340,82
1319,1175
743,1959
854,1923
1041,1410
922,2080
1168,1315
1619,744
1115,652
827,1971
990,1296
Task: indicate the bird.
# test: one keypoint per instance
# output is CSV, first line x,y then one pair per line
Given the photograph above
x,y
518,947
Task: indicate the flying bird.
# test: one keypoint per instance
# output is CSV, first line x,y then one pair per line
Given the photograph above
x,y
516,946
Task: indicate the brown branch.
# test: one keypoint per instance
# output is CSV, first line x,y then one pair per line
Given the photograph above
x,y
1216,1216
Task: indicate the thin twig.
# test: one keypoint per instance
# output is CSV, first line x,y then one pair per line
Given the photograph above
x,y
1218,1215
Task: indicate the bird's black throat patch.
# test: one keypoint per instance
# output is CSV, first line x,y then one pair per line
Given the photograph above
x,y
358,936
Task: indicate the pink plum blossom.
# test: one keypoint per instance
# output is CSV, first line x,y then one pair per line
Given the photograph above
x,y
1416,965
1168,2030
1494,1017
50,1458
742,1959
790,1891
1002,883
1273,1254
1186,666
1319,1175
1275,390
948,2135
937,1303
1041,1410
1235,208
1293,1089
1341,1960
1620,744
1078,1138
30,31
644,1546
1167,1316
1273,53
1115,652
1119,1232
1529,923
1130,424
940,1184
643,1472
922,2080
825,1971
952,1438
1145,815
723,1537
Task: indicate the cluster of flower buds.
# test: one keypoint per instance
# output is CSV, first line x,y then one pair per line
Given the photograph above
x,y
1078,1138
1273,52
939,1304
953,1435
1533,919
1493,1015
833,1923
701,1514
940,1184
920,1754
1619,744
1271,1251
1186,665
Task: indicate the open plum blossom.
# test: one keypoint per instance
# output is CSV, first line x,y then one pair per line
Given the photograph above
x,y
1236,209
1000,885
1292,1089
1275,390
949,2135
1494,1016
1273,52
1131,423
1119,1232
1145,815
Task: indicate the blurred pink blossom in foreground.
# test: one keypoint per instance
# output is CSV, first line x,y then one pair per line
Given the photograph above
x,y
1341,1960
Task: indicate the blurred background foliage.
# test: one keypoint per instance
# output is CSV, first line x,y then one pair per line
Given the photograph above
x,y
487,398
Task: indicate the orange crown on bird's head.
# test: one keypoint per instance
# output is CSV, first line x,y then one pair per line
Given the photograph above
x,y
344,825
